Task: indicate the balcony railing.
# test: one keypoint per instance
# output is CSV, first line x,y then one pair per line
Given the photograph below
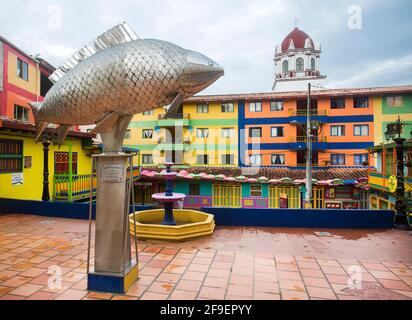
x,y
173,141
72,188
77,187
303,113
179,116
304,139
315,164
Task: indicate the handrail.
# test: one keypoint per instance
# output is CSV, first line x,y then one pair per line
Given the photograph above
x,y
304,139
72,187
179,116
303,113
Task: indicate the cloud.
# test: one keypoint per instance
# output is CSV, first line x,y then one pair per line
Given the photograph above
x,y
59,51
239,34
377,72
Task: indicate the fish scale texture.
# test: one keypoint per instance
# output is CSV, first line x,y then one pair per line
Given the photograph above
x,y
129,78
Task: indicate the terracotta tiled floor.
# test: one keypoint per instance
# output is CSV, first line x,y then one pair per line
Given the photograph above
x,y
45,258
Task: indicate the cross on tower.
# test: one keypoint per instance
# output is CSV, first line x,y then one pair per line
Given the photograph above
x,y
296,22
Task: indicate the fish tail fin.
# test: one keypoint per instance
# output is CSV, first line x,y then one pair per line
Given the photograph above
x,y
40,124
62,132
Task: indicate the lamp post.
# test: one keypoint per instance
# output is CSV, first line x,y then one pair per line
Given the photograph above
x,y
46,144
401,215
310,125
308,197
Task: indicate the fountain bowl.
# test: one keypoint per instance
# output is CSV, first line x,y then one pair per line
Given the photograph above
x,y
191,224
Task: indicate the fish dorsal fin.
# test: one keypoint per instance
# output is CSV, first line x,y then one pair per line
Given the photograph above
x,y
119,34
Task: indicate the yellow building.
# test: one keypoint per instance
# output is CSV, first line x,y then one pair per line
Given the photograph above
x,y
381,195
22,164
200,134
388,108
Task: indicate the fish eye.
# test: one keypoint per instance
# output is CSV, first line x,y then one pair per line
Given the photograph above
x,y
210,64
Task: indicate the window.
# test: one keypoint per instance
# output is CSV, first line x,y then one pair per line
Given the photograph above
x,y
228,132
128,134
202,108
147,133
276,106
147,159
361,130
148,113
285,66
394,101
228,107
22,69
228,159
337,131
300,65
202,159
278,159
11,156
359,159
202,133
337,159
61,163
194,189
21,113
256,190
313,64
277,132
255,106
337,103
255,159
255,132
361,102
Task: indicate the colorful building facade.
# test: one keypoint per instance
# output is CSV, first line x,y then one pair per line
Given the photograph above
x,y
267,189
23,79
387,109
201,134
22,164
381,197
269,129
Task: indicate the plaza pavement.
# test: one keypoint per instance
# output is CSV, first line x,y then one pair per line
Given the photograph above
x,y
45,258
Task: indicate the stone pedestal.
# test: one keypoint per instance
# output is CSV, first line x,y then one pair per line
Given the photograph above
x,y
114,270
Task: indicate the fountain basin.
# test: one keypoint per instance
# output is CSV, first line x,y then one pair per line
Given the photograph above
x,y
190,224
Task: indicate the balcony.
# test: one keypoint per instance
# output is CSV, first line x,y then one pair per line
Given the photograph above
x,y
303,113
180,119
300,115
173,145
380,181
300,143
71,188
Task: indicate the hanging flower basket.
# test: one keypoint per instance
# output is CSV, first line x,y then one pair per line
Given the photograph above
x,y
241,179
286,181
274,181
263,180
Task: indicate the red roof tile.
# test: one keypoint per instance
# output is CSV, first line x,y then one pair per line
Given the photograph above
x,y
300,94
343,173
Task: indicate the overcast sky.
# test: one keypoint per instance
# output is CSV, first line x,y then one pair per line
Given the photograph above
x,y
239,34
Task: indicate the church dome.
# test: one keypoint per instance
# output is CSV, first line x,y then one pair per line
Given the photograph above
x,y
299,40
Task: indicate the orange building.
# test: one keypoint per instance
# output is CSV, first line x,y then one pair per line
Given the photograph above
x,y
272,126
23,79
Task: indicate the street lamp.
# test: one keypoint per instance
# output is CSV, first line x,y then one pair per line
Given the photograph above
x,y
46,141
393,130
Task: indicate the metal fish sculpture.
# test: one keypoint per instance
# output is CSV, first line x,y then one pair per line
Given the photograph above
x,y
118,75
